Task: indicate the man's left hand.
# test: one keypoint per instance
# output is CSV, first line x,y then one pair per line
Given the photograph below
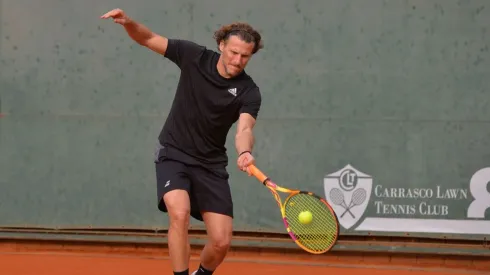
x,y
244,161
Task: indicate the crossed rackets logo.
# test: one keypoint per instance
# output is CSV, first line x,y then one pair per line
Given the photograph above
x,y
348,191
358,197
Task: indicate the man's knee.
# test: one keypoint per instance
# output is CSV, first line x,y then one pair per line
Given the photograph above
x,y
221,241
179,218
178,207
219,229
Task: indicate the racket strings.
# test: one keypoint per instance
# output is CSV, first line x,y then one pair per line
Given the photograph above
x,y
317,235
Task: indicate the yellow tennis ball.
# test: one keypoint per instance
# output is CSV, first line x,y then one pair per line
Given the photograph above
x,y
305,217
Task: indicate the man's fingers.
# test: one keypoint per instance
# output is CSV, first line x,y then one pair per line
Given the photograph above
x,y
107,15
249,161
242,164
119,20
241,159
112,13
244,161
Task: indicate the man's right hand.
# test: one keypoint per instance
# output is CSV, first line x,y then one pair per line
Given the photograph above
x,y
118,15
138,32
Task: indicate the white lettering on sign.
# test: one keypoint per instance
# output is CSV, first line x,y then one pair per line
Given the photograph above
x,y
394,209
427,209
423,195
352,192
405,193
453,194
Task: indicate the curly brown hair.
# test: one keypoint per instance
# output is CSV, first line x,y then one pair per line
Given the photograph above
x,y
243,30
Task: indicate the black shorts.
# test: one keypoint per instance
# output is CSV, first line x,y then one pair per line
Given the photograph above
x,y
208,188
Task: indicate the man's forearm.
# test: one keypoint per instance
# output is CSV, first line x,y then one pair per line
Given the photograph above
x,y
244,141
138,32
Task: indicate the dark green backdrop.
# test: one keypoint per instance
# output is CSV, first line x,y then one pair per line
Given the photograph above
x,y
398,89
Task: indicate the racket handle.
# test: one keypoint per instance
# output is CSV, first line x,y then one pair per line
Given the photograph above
x,y
257,173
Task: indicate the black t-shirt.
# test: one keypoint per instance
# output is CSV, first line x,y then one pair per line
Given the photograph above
x,y
205,106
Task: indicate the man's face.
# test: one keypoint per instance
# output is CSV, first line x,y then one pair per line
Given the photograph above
x,y
235,54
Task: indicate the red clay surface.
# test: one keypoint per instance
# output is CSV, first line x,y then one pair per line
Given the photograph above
x,y
35,257
56,263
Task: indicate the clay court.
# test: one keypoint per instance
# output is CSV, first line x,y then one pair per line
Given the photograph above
x,y
43,257
67,263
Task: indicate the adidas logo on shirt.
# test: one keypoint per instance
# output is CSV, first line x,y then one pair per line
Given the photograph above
x,y
232,91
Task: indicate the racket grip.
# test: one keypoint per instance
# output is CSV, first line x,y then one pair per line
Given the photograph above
x,y
257,173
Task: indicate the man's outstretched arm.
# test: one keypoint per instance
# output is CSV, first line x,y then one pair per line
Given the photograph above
x,y
139,32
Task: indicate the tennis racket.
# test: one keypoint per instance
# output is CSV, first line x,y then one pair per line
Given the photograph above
x,y
318,232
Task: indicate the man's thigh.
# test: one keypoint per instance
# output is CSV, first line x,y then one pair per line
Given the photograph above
x,y
171,175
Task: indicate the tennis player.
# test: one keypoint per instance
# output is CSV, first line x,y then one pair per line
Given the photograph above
x,y
213,93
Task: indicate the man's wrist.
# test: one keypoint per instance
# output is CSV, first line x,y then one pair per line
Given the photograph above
x,y
246,151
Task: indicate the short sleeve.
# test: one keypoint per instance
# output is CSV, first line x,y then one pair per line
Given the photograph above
x,y
251,103
181,52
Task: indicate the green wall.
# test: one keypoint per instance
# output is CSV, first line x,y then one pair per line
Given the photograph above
x,y
397,89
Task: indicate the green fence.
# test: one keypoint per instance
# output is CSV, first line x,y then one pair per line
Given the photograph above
x,y
385,102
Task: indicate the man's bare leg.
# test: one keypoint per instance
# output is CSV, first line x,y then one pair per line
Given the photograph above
x,y
178,207
219,230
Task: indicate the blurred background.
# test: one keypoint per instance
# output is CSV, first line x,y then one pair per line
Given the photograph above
x,y
393,93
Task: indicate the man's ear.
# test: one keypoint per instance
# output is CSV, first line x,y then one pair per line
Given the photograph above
x,y
221,46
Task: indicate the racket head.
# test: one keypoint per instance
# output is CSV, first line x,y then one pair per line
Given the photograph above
x,y
317,236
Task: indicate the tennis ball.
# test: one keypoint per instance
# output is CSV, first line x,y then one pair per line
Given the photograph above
x,y
305,217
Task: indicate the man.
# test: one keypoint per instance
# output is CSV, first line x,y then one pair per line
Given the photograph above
x,y
213,93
